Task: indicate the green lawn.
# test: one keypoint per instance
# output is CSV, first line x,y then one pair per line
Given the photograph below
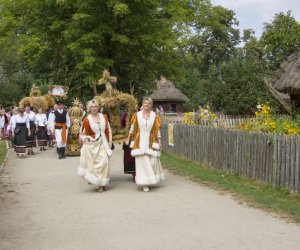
x,y
252,192
3,151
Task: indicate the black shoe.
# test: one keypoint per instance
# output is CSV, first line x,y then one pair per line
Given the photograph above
x,y
63,150
60,157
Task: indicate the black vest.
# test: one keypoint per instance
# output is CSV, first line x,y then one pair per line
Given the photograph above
x,y
61,118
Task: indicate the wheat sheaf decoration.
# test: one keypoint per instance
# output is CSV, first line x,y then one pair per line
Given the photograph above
x,y
112,100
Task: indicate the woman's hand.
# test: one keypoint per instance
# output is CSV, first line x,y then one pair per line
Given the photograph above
x,y
127,141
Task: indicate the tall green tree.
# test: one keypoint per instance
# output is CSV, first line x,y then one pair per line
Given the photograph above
x,y
217,37
71,42
280,38
243,76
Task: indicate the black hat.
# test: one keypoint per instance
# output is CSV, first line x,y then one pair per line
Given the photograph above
x,y
59,102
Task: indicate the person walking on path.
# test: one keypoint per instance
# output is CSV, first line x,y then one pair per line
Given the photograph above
x,y
96,139
21,131
9,129
30,137
59,123
41,128
7,117
146,145
2,124
50,116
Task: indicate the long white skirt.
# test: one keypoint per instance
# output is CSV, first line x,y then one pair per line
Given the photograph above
x,y
94,163
148,170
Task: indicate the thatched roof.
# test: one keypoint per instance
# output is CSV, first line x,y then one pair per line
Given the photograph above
x,y
166,91
283,98
287,77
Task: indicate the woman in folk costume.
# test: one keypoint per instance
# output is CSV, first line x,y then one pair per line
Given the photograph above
x,y
41,128
20,131
10,128
146,145
95,153
31,137
2,122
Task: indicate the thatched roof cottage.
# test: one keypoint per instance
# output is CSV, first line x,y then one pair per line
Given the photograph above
x,y
168,96
287,79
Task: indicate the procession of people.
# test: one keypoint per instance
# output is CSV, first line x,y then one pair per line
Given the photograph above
x,y
142,147
26,130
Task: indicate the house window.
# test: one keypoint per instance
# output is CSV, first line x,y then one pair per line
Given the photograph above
x,y
174,107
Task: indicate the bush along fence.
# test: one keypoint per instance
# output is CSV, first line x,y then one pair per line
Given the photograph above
x,y
270,158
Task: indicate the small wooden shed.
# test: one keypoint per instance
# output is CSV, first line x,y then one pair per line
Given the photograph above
x,y
168,97
287,80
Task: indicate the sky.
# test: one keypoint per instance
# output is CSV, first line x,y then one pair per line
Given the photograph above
x,y
252,14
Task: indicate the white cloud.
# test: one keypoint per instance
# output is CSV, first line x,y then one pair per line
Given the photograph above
x,y
254,13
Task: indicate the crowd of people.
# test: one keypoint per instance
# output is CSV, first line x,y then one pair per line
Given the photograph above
x,y
24,129
27,129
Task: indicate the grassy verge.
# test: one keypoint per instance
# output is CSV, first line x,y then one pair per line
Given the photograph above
x,y
3,151
254,193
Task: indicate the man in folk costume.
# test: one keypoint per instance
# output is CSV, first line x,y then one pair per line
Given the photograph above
x,y
146,145
31,138
59,123
96,138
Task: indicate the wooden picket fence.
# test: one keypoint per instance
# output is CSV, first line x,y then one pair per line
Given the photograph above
x,y
224,121
260,156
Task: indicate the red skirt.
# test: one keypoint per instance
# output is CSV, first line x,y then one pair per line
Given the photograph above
x,y
128,160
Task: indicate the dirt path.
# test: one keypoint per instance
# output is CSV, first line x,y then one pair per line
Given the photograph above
x,y
44,205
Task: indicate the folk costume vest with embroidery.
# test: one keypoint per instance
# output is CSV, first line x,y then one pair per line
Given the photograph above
x,y
87,131
153,134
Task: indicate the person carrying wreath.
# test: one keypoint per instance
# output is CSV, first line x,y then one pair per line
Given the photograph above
x,y
146,145
95,153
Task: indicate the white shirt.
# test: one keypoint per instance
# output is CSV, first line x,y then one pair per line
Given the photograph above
x,y
51,119
11,122
51,116
21,119
31,116
41,120
2,121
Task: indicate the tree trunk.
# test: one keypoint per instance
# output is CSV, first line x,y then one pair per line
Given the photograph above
x,y
131,86
94,87
219,73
